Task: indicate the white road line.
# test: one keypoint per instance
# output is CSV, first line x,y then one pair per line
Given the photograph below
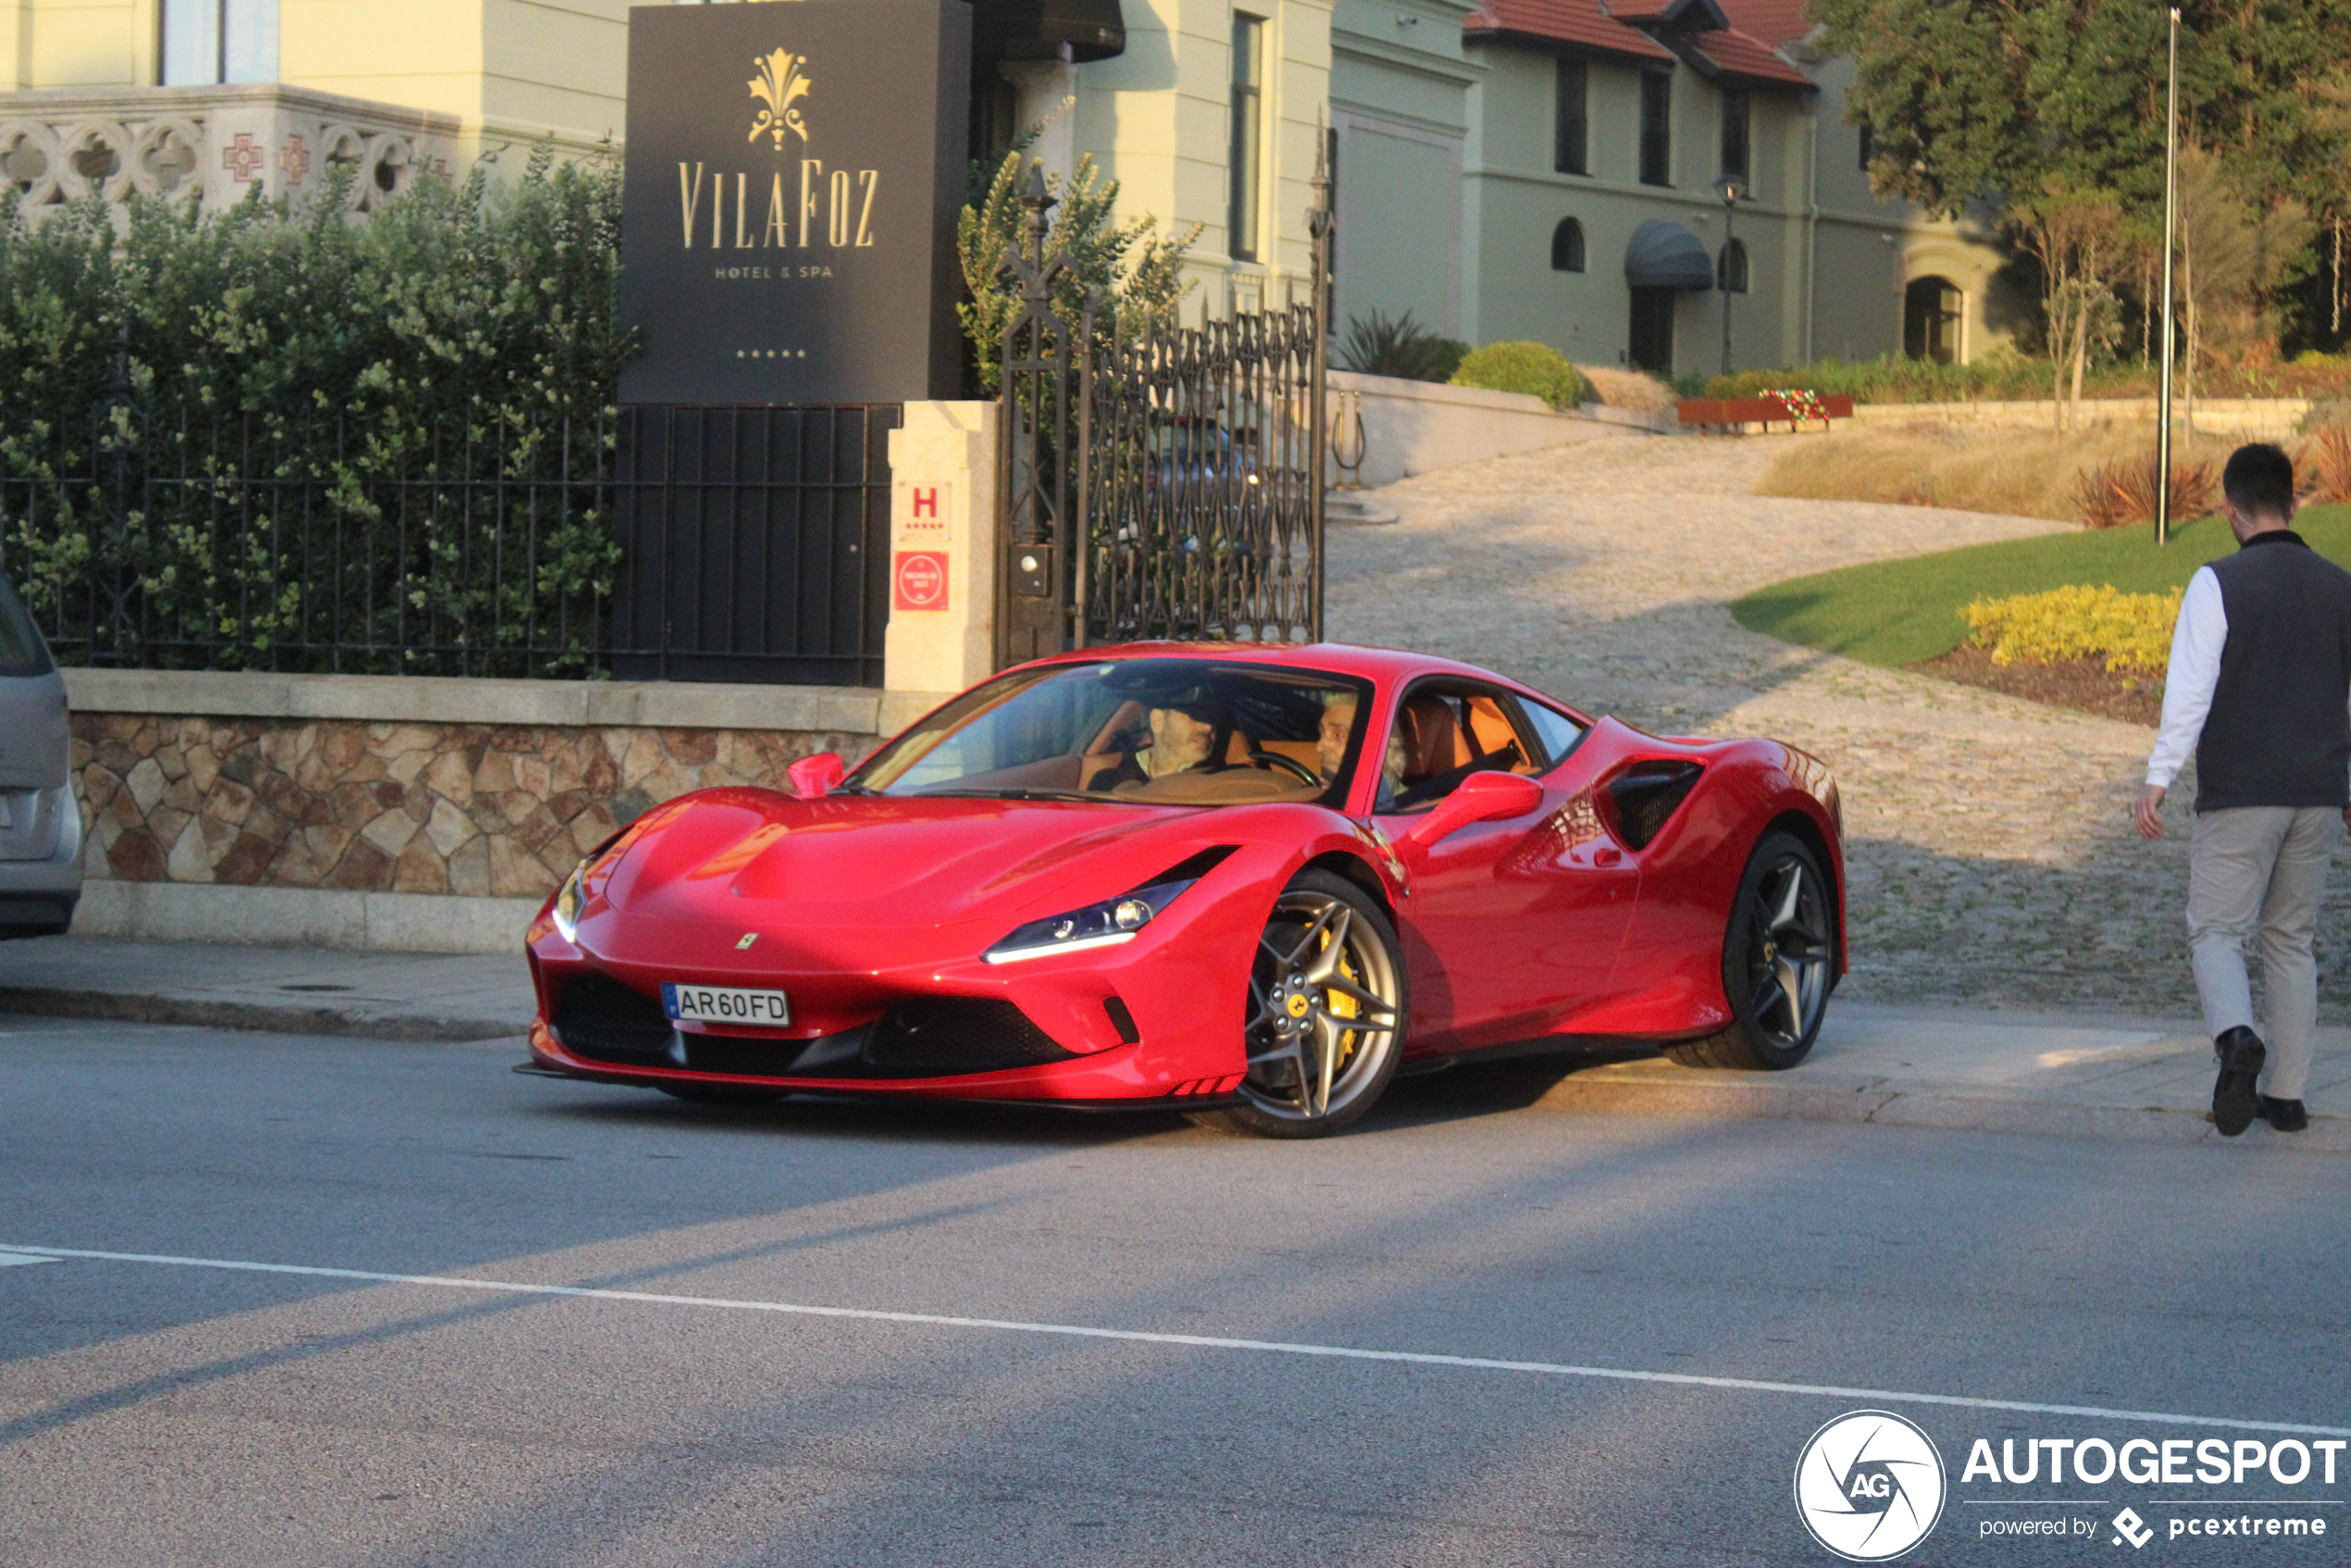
x,y
1194,1341
9,1260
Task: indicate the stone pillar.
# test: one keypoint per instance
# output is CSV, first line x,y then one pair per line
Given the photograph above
x,y
942,531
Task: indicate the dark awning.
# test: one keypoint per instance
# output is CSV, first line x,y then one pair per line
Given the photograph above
x,y
1036,29
1666,256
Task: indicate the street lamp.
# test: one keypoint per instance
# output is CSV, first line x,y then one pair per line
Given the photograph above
x,y
1731,189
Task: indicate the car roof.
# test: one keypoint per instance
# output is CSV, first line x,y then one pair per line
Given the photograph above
x,y
1386,667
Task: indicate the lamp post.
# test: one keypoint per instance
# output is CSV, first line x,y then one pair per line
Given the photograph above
x,y
1731,189
2170,220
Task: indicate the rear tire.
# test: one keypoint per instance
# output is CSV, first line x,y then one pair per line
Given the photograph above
x,y
1779,963
1325,1015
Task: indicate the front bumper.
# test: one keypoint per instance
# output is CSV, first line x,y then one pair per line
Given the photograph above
x,y
1156,1019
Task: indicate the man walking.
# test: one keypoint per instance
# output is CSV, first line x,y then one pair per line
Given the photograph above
x,y
2259,680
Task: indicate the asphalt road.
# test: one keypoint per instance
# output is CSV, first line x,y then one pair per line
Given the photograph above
x,y
157,1408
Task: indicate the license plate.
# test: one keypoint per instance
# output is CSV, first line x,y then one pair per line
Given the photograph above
x,y
724,1004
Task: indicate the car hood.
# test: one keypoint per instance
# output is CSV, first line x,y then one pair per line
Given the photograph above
x,y
733,855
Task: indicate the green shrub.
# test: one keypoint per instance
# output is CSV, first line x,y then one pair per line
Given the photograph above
x,y
1404,348
1536,370
460,330
1893,379
1137,273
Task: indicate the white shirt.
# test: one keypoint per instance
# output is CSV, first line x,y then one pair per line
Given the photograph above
x,y
2196,641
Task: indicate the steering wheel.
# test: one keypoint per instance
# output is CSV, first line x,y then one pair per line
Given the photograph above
x,y
1276,759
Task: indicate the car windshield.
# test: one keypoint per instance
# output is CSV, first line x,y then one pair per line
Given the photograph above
x,y
1154,730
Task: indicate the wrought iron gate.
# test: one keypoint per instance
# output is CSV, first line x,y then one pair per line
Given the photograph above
x,y
1168,485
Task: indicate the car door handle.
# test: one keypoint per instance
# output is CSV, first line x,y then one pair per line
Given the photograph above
x,y
1607,857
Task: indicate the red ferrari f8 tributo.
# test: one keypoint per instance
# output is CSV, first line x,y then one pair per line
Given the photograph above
x,y
1252,881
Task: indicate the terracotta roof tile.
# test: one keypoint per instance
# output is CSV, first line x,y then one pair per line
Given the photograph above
x,y
1741,55
1580,22
1773,22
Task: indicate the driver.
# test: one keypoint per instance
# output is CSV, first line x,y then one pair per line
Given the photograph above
x,y
1184,736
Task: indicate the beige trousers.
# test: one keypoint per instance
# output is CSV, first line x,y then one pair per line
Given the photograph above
x,y
2261,867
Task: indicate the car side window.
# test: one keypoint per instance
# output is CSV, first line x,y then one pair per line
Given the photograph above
x,y
1558,733
1441,736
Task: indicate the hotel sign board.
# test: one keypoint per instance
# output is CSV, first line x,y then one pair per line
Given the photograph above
x,y
793,174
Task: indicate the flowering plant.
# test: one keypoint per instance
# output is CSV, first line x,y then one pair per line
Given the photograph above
x,y
1801,403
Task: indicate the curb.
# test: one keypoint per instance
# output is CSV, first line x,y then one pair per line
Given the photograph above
x,y
312,1019
1880,1103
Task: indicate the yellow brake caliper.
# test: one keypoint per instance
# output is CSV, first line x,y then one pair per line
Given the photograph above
x,y
1341,1005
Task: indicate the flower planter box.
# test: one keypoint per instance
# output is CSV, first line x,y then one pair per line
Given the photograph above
x,y
1733,413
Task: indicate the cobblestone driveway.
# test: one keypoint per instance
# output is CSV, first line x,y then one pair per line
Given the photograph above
x,y
1992,859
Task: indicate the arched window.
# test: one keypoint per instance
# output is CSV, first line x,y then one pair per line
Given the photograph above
x,y
1730,268
1567,247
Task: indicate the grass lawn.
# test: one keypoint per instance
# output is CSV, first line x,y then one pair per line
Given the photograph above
x,y
1901,612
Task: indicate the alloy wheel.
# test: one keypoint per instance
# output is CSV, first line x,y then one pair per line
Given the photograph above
x,y
1789,951
1324,1009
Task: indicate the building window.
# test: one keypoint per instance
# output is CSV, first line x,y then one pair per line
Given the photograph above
x,y
1657,127
1567,247
1869,146
1734,115
206,41
1570,141
1730,268
1247,149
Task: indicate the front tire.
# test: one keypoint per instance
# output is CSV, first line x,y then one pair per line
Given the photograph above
x,y
1779,962
1325,1015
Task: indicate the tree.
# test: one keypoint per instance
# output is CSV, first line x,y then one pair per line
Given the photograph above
x,y
1996,102
2231,255
2079,240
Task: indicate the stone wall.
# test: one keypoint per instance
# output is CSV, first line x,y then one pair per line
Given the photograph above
x,y
475,810
416,814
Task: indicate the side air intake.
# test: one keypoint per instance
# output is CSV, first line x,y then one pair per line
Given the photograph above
x,y
1646,796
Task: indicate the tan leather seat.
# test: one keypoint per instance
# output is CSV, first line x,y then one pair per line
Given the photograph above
x,y
1433,741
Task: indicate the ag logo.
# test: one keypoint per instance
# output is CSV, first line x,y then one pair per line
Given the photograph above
x,y
1869,1485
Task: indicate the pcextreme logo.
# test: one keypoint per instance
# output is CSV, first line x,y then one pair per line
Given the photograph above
x,y
1870,1486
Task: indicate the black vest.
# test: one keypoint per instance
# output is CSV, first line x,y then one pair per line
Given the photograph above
x,y
2278,734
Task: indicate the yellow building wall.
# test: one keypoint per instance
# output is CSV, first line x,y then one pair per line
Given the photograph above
x,y
517,67
1156,119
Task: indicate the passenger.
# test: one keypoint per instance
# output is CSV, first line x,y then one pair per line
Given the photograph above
x,y
1338,721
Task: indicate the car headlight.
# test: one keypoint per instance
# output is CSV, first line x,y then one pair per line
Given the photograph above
x,y
1106,924
572,897
567,902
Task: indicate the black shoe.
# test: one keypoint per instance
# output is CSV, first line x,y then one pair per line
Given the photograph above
x,y
2286,1115
2241,1054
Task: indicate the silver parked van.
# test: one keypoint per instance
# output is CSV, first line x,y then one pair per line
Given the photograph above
x,y
40,822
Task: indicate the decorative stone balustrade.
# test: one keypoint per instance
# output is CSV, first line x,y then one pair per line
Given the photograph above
x,y
59,144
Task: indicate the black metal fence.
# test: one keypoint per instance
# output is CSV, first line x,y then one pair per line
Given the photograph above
x,y
687,543
1167,485
756,541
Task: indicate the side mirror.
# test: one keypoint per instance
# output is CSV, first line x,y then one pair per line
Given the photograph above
x,y
1482,797
812,776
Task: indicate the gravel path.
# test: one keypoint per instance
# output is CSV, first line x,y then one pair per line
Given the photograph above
x,y
1992,859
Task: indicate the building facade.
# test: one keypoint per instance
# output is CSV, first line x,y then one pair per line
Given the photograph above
x,y
1505,168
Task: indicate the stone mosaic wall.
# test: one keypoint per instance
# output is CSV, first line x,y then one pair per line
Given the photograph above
x,y
479,810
